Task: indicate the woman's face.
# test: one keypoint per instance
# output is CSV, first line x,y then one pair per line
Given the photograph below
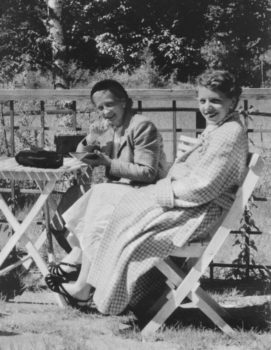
x,y
214,105
110,107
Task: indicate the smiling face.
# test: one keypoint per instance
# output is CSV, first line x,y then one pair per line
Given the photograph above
x,y
110,107
214,105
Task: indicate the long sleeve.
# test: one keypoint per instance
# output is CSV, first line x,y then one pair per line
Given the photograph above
x,y
145,142
219,167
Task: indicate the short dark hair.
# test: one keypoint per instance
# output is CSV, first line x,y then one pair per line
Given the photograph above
x,y
111,85
221,80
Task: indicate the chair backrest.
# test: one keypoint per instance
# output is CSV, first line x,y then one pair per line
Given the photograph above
x,y
185,144
232,217
254,168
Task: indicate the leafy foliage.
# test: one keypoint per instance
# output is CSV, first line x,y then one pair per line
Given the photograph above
x,y
23,38
237,34
182,36
248,248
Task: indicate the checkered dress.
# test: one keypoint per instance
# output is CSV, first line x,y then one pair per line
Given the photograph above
x,y
148,223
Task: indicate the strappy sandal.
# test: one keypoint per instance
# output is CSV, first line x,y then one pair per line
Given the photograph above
x,y
57,270
55,284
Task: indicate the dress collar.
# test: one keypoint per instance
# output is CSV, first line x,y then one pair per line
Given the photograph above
x,y
210,128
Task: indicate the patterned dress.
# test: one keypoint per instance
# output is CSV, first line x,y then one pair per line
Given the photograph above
x,y
146,224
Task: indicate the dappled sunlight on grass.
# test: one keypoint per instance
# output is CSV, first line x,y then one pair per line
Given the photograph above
x,y
34,321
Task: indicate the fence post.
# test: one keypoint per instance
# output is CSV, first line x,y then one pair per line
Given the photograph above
x,y
3,124
211,267
200,122
174,127
246,114
12,142
247,255
246,105
74,122
42,122
139,107
12,139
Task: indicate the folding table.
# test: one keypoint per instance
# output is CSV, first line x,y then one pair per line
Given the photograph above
x,y
45,180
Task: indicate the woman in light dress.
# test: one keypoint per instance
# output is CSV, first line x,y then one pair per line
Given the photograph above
x,y
143,225
130,148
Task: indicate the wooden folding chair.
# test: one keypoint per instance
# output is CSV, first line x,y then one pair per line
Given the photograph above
x,y
185,144
185,285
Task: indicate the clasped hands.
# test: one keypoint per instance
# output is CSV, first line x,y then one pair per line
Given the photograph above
x,y
98,158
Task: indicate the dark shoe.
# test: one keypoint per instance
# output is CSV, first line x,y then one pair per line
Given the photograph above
x,y
55,284
56,270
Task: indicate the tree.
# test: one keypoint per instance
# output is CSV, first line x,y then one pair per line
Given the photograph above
x,y
23,38
58,46
182,36
237,34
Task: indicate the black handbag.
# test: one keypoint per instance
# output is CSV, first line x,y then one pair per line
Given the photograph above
x,y
67,143
39,158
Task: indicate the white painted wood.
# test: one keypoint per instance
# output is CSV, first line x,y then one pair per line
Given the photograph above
x,y
27,221
189,250
187,286
8,214
38,244
136,94
43,268
185,144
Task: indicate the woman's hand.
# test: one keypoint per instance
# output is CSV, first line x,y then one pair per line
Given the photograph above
x,y
101,159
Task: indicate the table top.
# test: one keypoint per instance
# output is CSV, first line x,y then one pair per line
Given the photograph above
x,y
11,170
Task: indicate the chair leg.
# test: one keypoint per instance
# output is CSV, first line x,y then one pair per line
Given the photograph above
x,y
212,310
158,320
199,298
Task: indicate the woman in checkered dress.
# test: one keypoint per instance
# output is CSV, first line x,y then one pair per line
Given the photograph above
x,y
146,224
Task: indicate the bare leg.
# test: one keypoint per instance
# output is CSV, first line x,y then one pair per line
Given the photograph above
x,y
74,257
69,266
73,240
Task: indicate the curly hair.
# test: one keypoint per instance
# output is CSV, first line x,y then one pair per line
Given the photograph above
x,y
221,80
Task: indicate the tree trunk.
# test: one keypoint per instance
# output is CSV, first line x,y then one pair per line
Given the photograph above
x,y
58,46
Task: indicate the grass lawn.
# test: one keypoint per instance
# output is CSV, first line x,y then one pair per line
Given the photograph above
x,y
33,321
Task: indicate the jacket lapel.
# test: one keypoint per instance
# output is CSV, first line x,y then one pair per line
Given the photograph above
x,y
107,142
123,141
124,133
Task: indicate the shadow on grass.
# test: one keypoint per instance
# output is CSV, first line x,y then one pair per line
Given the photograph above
x,y
246,302
8,334
255,318
247,287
